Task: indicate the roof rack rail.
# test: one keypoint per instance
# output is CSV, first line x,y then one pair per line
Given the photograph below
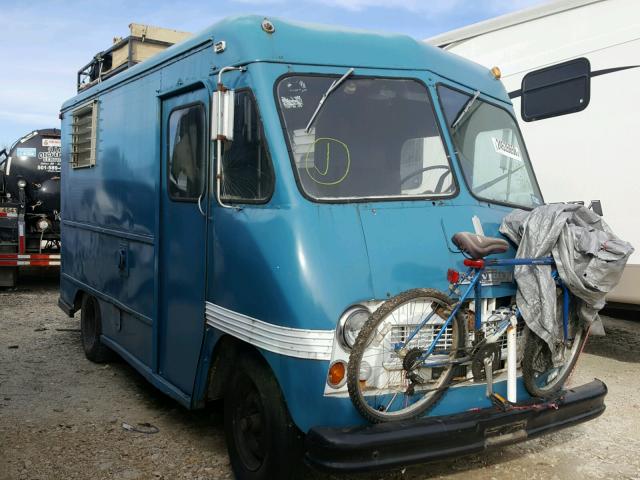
x,y
144,42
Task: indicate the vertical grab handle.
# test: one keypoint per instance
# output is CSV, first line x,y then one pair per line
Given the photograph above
x,y
200,205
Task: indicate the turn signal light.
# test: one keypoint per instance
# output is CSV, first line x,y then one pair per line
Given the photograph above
x,y
336,375
453,276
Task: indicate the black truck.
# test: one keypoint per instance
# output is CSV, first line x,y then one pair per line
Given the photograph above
x,y
30,204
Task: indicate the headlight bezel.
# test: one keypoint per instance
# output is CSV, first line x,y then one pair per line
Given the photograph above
x,y
342,324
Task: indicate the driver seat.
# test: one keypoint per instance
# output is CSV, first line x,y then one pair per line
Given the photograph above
x,y
479,246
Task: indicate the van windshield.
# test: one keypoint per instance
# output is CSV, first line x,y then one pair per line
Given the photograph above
x,y
490,150
372,138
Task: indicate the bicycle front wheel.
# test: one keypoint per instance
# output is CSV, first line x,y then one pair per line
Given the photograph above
x,y
387,378
545,375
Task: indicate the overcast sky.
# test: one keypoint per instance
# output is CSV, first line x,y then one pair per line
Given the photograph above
x,y
44,43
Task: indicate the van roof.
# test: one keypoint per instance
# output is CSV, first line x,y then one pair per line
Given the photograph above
x,y
505,21
301,43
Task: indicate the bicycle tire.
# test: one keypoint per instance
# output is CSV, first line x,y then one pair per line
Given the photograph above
x,y
536,350
364,338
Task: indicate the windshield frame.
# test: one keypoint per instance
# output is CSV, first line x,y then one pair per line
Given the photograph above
x,y
486,99
372,198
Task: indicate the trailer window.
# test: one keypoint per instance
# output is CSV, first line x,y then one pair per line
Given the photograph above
x,y
186,166
84,135
247,175
556,90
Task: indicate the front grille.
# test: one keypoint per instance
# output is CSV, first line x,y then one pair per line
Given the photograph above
x,y
424,337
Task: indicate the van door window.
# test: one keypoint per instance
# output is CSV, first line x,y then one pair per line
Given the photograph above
x,y
247,175
186,166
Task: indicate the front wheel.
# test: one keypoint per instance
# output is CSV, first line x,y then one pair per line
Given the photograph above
x,y
262,441
387,377
543,375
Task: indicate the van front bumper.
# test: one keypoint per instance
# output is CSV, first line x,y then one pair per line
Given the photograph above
x,y
387,445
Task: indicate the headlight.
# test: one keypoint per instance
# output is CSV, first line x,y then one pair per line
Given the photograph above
x,y
43,224
22,183
350,325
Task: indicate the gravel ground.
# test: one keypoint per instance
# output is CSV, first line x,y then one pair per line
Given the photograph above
x,y
61,416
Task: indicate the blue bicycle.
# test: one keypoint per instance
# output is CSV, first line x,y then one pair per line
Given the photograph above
x,y
422,341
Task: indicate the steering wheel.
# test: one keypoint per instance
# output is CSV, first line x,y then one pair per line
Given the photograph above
x,y
426,169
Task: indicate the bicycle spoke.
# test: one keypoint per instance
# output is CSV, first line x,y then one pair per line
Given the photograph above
x,y
391,401
389,390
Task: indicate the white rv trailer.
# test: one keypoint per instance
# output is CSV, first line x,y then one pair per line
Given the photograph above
x,y
572,69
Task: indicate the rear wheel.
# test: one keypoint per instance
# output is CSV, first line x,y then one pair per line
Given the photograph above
x,y
544,376
387,383
91,329
262,440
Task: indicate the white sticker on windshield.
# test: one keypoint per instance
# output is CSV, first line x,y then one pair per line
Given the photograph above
x,y
292,102
506,149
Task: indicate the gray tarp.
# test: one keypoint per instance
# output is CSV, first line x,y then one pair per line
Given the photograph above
x,y
589,257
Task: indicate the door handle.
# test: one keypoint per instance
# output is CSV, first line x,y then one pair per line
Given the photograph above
x,y
123,259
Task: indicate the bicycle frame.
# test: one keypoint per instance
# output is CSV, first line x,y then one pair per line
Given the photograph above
x,y
475,271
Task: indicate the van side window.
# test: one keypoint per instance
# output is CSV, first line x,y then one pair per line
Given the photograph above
x,y
186,166
556,90
247,175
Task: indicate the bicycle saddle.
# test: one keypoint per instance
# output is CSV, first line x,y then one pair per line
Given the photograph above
x,y
479,246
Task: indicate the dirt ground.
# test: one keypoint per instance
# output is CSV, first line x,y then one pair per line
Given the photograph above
x,y
61,416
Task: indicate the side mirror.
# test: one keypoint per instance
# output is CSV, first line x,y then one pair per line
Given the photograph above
x,y
596,206
222,115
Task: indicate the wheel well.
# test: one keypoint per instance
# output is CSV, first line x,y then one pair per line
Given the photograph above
x,y
77,301
224,358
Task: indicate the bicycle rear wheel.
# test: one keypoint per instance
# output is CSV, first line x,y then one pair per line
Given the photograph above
x,y
389,385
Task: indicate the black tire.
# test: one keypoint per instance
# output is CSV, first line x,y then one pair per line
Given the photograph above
x,y
90,330
537,362
376,415
262,441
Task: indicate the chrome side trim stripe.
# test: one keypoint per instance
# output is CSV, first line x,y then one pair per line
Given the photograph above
x,y
293,342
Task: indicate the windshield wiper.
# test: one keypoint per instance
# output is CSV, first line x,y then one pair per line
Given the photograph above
x,y
332,87
466,108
